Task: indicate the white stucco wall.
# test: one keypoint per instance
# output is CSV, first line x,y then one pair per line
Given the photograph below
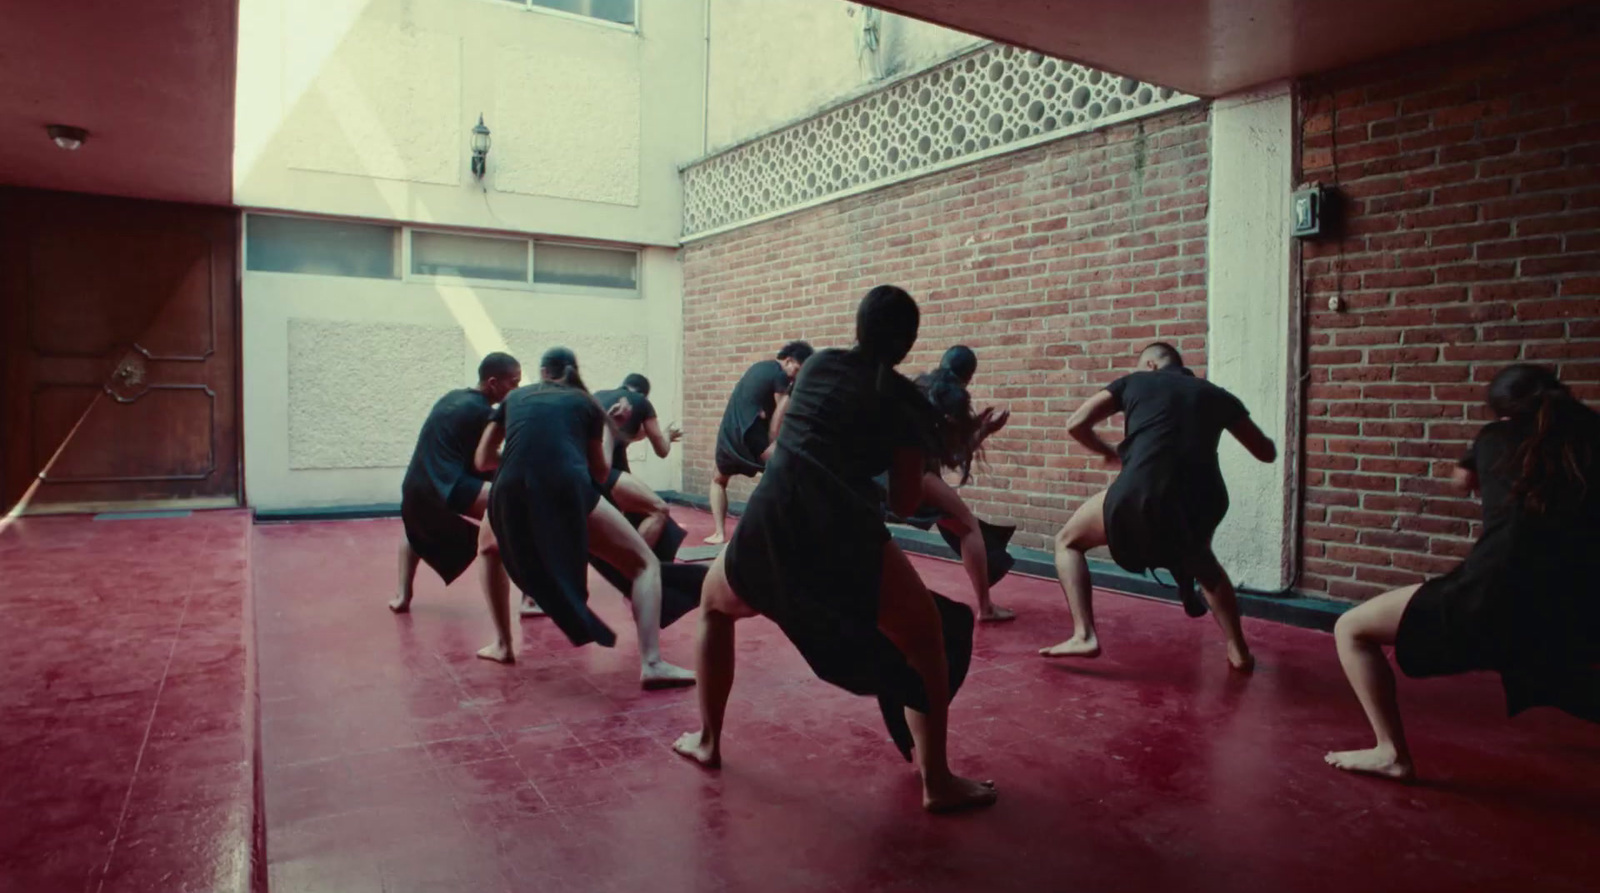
x,y
776,61
340,372
1250,320
365,108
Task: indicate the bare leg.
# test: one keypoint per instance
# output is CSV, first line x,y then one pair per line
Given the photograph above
x,y
631,495
908,617
1085,530
401,603
719,609
614,541
1218,590
974,552
1360,635
497,589
719,508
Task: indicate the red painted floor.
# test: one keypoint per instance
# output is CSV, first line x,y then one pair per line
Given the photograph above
x,y
395,761
126,729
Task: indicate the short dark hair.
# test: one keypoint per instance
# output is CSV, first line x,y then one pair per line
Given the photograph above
x,y
799,351
497,365
637,382
1166,353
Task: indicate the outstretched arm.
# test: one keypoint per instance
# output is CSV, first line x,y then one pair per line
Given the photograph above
x,y
777,425
905,481
486,457
1102,406
1253,439
662,441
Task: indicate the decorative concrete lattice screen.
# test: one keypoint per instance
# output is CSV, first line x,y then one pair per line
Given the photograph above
x,y
992,100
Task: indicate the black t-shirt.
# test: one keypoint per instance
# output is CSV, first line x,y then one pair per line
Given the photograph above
x,y
838,419
760,387
1492,458
449,437
1170,415
548,429
643,412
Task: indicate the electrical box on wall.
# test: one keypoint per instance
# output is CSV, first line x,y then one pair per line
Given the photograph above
x,y
1314,211
1308,211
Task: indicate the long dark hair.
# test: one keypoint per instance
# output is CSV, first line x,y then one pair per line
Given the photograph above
x,y
560,365
946,387
1559,435
886,328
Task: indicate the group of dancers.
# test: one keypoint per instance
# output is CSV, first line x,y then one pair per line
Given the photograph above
x,y
843,444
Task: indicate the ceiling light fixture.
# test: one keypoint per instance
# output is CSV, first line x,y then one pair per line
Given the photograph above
x,y
66,137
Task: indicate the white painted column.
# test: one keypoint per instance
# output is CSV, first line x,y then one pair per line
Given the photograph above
x,y
1250,321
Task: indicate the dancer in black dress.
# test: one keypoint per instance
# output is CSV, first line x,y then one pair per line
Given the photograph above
x,y
442,489
1522,603
861,618
546,517
981,545
750,425
1163,508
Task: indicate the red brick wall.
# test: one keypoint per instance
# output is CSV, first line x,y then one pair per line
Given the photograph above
x,y
1056,264
1472,180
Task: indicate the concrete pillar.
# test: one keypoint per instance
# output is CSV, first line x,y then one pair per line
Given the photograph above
x,y
1252,322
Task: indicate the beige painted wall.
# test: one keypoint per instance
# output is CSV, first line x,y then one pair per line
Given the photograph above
x,y
777,61
364,108
340,372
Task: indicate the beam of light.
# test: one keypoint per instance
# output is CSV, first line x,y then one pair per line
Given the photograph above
x,y
473,318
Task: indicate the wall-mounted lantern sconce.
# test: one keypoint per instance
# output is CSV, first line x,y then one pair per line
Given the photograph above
x,y
66,137
480,149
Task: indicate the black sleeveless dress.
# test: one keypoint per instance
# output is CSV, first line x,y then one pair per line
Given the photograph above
x,y
1164,506
1523,602
818,498
441,483
745,430
540,504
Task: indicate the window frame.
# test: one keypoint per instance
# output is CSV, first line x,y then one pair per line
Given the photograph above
x,y
528,6
399,232
402,274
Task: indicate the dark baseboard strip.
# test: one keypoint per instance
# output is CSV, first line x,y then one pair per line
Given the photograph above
x,y
328,513
1290,608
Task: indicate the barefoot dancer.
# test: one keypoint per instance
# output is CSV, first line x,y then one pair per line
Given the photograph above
x,y
546,517
633,418
441,487
1162,509
861,618
750,426
981,545
1522,603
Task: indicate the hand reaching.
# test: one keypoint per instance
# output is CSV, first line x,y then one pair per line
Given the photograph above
x,y
674,433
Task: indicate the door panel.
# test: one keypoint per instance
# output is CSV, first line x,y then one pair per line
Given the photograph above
x,y
120,351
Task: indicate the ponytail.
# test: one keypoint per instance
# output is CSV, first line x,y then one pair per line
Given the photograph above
x,y
1559,436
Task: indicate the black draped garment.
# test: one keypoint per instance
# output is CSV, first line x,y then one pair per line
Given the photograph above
x,y
745,431
441,484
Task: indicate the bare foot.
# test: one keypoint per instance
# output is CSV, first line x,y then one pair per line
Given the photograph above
x,y
1379,761
664,675
694,746
956,793
498,652
1240,658
713,539
1073,647
996,615
530,608
400,604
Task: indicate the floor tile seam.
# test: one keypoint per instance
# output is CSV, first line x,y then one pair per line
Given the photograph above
x,y
478,711
149,728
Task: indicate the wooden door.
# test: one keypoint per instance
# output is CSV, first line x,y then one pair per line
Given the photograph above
x,y
118,324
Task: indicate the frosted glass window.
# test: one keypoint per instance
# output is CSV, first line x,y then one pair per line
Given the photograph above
x,y
587,267
470,257
619,11
320,247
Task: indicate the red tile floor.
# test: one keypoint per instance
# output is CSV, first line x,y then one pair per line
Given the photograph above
x,y
127,721
396,761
